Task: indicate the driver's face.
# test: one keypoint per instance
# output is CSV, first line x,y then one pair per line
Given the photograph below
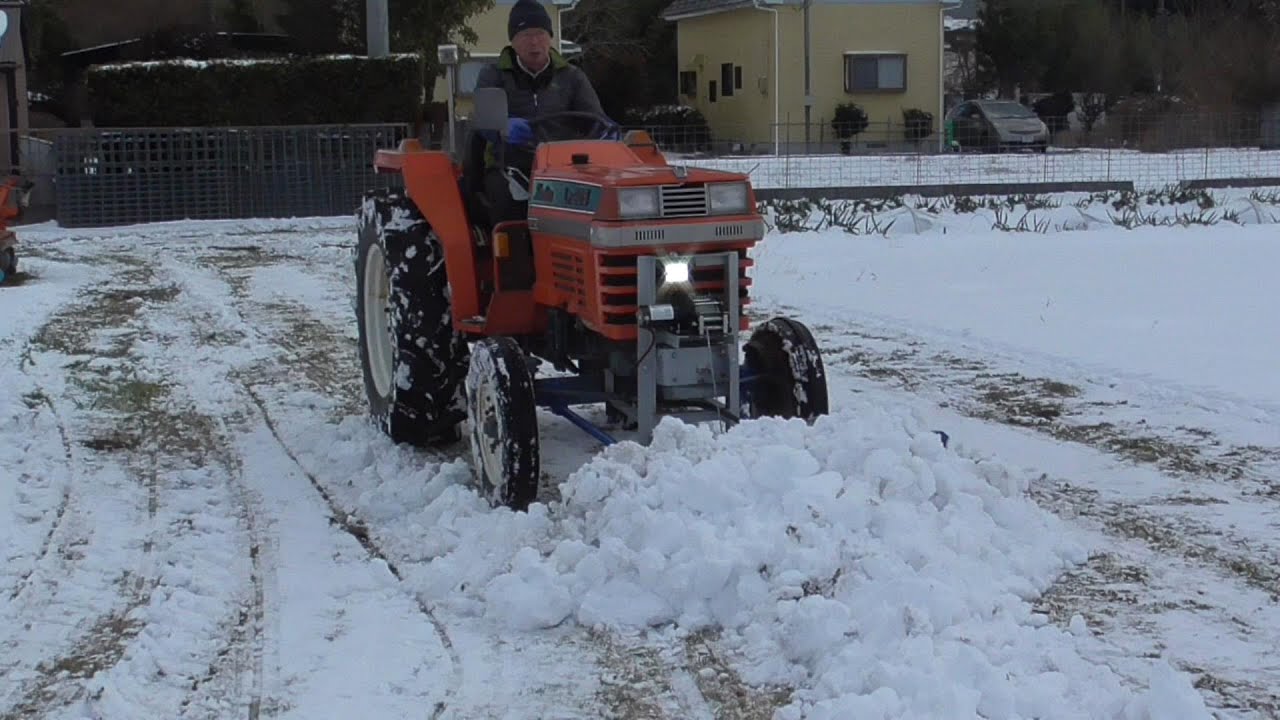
x,y
533,46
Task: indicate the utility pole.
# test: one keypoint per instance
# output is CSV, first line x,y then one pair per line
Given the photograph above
x,y
379,28
1162,47
808,89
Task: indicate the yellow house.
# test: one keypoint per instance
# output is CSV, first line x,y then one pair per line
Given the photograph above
x,y
490,27
750,65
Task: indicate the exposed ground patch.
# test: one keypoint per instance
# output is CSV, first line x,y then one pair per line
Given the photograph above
x,y
730,698
326,359
634,681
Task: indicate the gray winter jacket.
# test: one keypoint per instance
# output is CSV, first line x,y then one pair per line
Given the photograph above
x,y
558,88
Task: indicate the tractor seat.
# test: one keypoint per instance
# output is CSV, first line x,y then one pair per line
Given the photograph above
x,y
471,183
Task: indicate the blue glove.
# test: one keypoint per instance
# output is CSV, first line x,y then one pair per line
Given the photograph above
x,y
519,132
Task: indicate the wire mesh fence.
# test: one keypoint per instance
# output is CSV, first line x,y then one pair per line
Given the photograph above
x,y
113,176
1144,170
1149,150
124,176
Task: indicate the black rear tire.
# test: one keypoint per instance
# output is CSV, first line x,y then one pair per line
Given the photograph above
x,y
790,379
503,418
413,379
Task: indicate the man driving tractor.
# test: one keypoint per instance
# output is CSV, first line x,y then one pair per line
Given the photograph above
x,y
539,82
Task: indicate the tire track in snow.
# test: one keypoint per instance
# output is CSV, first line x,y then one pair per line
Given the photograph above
x,y
157,441
1128,586
356,529
104,642
339,517
246,636
97,642
59,513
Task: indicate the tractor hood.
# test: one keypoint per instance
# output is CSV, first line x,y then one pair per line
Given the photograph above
x,y
640,175
615,164
606,183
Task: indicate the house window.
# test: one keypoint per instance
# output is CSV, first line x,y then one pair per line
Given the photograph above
x,y
726,79
875,72
737,77
689,83
711,93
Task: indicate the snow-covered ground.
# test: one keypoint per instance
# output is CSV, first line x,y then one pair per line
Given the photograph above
x,y
198,521
1145,170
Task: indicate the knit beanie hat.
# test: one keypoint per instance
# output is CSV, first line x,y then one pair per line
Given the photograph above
x,y
527,14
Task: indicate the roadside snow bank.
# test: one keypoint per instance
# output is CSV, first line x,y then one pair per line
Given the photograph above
x,y
856,560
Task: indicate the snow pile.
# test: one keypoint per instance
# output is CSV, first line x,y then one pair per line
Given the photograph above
x,y
857,560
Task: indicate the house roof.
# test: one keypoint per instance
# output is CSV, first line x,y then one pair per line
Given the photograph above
x,y
689,8
680,9
966,10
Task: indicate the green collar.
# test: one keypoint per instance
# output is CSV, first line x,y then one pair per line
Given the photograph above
x,y
507,59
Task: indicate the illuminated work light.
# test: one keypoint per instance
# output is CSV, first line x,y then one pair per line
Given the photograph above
x,y
675,272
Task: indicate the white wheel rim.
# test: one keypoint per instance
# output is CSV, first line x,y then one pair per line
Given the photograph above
x,y
377,320
489,449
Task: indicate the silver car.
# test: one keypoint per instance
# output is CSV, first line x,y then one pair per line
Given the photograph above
x,y
996,125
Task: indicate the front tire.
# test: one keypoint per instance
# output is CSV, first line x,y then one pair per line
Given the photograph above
x,y
790,380
414,362
503,419
8,262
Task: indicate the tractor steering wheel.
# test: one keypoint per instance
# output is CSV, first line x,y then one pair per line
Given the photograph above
x,y
609,130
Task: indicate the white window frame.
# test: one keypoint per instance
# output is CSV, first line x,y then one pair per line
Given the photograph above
x,y
877,55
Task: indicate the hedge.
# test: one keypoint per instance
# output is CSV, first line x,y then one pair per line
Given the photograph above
x,y
292,91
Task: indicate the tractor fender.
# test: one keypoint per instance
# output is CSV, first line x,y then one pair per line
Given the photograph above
x,y
431,180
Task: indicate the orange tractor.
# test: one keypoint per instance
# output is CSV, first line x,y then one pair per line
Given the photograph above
x,y
628,277
11,210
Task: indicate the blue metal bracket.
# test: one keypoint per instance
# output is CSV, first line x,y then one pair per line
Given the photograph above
x,y
557,394
584,424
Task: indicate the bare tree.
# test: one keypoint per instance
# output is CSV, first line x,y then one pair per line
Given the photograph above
x,y
626,38
89,25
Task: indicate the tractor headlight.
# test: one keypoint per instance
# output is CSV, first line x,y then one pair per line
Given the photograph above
x,y
727,198
638,202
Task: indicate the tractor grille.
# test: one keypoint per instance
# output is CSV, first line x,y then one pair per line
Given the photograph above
x,y
684,200
618,286
568,274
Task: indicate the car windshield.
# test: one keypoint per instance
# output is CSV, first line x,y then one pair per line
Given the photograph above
x,y
1007,110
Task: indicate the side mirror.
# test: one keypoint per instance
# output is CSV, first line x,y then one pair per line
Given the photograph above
x,y
490,111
